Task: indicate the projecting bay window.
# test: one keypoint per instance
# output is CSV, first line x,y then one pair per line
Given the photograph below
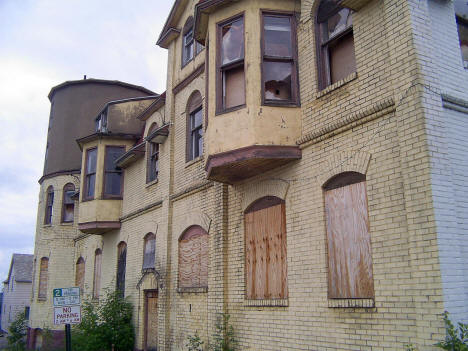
x,y
349,242
90,174
230,62
336,59
279,59
113,174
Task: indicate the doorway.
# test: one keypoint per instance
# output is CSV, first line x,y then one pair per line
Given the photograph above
x,y
151,320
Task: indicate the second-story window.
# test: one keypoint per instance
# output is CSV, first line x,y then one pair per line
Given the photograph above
x,y
90,174
194,126
336,59
230,61
68,204
49,205
153,157
113,174
279,66
187,54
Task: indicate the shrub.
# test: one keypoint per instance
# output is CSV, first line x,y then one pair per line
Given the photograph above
x,y
17,333
105,326
456,339
194,343
224,339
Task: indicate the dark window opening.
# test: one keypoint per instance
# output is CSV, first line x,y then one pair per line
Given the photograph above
x,y
90,174
68,205
121,267
463,37
49,205
112,174
196,134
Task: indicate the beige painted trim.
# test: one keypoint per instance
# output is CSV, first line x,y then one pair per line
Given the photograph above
x,y
348,161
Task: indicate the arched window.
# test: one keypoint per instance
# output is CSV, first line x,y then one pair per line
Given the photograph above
x,y
335,42
193,258
187,41
194,147
149,251
68,204
97,273
49,205
153,158
265,249
43,278
80,273
121,266
349,247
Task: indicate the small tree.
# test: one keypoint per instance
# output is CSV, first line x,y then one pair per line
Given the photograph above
x,y
17,333
456,339
105,326
224,339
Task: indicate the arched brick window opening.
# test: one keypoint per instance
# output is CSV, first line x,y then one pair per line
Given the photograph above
x,y
43,278
265,249
194,138
335,42
348,237
149,251
49,206
121,267
193,258
80,273
152,157
68,204
97,273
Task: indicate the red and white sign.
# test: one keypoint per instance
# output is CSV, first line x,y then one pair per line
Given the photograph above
x,y
67,315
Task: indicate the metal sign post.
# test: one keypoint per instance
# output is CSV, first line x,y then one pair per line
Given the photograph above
x,y
67,310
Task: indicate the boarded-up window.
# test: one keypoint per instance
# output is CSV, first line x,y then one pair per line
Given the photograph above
x,y
121,266
80,273
68,204
49,205
265,249
43,278
349,246
97,273
193,258
149,251
336,58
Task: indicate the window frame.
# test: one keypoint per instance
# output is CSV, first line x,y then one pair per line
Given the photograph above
x,y
194,104
49,205
322,46
186,32
460,21
85,197
149,236
199,231
120,252
220,68
192,131
43,275
295,100
97,274
80,281
65,190
258,205
104,194
342,180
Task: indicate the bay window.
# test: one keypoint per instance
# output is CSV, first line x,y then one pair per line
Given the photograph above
x,y
112,174
90,174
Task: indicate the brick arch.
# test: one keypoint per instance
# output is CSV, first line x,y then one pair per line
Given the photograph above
x,y
341,162
255,191
191,219
308,9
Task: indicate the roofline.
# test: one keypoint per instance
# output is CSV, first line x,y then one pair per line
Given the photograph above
x,y
156,105
11,265
97,81
203,8
113,102
167,25
98,135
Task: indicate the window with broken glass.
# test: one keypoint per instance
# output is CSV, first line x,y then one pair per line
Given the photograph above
x,y
68,204
279,59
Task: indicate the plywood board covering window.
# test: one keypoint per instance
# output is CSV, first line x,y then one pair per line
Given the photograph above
x,y
80,273
43,278
349,246
265,250
193,258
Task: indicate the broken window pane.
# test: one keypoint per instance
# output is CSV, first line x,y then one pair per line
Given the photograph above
x,y
277,77
232,41
278,36
339,22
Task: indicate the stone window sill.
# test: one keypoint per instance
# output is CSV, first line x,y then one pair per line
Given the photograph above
x,y
267,303
151,183
336,85
351,303
192,290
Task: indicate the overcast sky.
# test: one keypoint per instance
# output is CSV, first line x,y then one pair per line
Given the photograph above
x,y
44,43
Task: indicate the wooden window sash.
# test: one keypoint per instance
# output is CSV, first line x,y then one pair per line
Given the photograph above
x,y
89,174
294,100
194,129
223,69
108,170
